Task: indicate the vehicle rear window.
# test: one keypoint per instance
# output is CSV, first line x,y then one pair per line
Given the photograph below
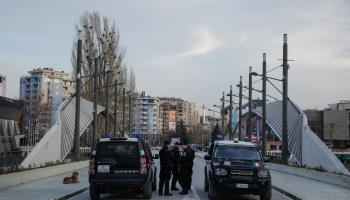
x,y
237,153
118,149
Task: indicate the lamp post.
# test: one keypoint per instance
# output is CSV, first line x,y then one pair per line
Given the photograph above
x,y
94,125
249,125
116,105
76,141
264,106
123,126
107,71
240,109
285,102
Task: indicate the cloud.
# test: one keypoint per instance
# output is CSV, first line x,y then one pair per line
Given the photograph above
x,y
206,43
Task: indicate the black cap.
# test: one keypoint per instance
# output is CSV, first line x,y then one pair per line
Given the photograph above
x,y
177,143
184,142
166,142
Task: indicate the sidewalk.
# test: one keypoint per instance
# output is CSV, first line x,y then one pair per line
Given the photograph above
x,y
47,188
304,188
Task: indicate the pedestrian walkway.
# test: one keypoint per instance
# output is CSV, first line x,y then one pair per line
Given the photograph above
x,y
305,188
308,189
47,188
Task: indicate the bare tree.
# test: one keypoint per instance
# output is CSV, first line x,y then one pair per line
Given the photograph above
x,y
101,41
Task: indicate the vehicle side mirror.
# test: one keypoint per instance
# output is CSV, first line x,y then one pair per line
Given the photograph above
x,y
206,157
155,156
267,159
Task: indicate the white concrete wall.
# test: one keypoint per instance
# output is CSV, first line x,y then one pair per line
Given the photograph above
x,y
13,179
48,149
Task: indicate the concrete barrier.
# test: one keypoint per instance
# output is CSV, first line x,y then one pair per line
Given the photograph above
x,y
12,179
326,177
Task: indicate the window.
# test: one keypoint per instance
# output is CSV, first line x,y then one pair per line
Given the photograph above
x,y
237,153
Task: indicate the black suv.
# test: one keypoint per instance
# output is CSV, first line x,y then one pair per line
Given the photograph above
x,y
235,167
122,164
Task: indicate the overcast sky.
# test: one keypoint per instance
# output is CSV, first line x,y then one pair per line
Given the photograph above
x,y
193,49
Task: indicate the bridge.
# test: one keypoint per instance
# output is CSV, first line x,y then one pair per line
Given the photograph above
x,y
305,147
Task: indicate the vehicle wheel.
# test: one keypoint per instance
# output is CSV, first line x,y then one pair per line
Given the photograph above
x,y
147,191
206,185
154,182
267,195
94,194
212,194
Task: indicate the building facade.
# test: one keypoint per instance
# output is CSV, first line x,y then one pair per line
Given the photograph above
x,y
146,115
185,111
332,125
2,85
43,91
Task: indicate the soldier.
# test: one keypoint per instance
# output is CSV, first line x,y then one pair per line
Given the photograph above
x,y
175,156
165,171
186,164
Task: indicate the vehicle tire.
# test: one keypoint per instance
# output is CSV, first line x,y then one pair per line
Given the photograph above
x,y
206,185
94,194
147,191
154,182
212,194
267,195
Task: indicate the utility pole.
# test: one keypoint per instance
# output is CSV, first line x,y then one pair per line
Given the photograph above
x,y
249,124
230,117
285,102
76,141
115,107
264,106
123,130
130,120
203,125
223,114
107,99
240,110
94,125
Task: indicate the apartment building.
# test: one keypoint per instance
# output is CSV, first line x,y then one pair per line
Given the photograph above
x,y
146,115
43,91
2,85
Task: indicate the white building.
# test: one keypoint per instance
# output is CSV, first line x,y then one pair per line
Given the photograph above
x,y
2,85
43,90
146,115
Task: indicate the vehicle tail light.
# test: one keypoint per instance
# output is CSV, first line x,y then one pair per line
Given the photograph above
x,y
92,162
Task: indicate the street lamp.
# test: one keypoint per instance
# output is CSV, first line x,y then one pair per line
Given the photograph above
x,y
107,71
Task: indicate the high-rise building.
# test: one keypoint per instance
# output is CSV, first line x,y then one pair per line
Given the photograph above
x,y
2,85
146,115
43,91
185,111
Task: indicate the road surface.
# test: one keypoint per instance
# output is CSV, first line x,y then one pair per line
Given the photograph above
x,y
197,191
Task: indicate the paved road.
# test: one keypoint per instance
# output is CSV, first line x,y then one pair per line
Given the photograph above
x,y
197,191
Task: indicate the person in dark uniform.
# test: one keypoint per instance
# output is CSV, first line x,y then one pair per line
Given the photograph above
x,y
186,164
175,156
165,169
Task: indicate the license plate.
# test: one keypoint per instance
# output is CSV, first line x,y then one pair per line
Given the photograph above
x,y
241,185
103,168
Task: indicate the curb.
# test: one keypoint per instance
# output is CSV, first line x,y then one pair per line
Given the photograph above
x,y
70,195
292,196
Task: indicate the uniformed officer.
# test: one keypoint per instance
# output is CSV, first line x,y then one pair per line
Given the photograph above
x,y
165,169
175,156
186,164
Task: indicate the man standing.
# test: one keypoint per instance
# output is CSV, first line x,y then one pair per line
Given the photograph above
x,y
165,171
186,164
175,156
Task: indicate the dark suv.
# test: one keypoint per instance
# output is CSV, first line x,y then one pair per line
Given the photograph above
x,y
236,167
122,164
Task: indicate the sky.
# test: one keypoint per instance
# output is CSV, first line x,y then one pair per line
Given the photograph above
x,y
193,49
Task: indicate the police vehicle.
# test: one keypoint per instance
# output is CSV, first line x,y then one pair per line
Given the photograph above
x,y
236,167
122,164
